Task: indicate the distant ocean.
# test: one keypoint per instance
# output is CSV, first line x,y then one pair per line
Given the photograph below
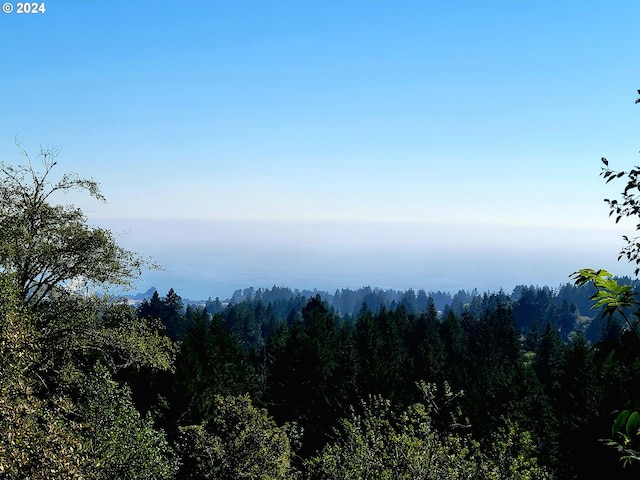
x,y
203,259
213,259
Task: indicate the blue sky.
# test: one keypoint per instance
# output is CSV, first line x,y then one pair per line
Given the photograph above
x,y
327,144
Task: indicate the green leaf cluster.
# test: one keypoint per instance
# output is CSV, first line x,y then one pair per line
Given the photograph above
x,y
240,441
377,441
625,433
610,295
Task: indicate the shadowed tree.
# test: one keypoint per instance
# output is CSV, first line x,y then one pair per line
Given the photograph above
x,y
210,362
308,379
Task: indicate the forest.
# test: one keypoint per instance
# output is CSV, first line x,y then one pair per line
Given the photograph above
x,y
282,384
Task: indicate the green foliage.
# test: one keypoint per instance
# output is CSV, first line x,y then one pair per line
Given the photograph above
x,y
610,295
61,416
239,441
493,369
49,246
85,428
629,206
132,342
124,444
58,424
38,439
512,454
626,436
65,411
75,331
378,442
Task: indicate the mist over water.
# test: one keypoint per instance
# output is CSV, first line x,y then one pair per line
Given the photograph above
x,y
204,259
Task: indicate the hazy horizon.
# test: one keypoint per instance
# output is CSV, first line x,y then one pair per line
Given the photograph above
x,y
214,258
329,144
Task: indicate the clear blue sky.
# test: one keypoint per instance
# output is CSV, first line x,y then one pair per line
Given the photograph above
x,y
436,145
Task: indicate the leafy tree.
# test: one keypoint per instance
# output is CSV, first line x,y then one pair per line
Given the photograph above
x,y
124,444
49,249
376,441
51,336
38,439
77,424
610,295
625,433
49,246
239,441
